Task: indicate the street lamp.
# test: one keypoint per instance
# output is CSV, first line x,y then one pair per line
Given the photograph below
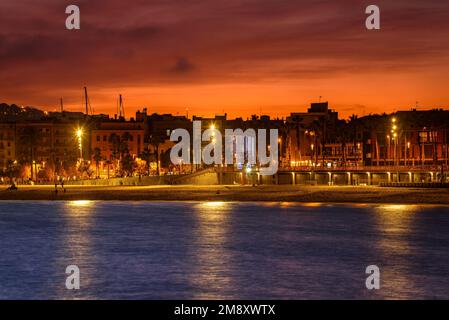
x,y
394,127
407,155
79,134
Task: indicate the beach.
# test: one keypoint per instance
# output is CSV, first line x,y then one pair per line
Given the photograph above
x,y
270,193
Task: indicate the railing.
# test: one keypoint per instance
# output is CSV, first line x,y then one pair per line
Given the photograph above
x,y
415,184
368,168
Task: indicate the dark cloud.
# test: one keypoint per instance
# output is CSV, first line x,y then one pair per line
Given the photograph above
x,y
182,66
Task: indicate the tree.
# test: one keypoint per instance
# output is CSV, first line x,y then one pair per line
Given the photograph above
x,y
353,129
85,169
27,142
146,156
115,141
156,140
127,165
97,158
108,164
318,129
298,121
12,170
123,145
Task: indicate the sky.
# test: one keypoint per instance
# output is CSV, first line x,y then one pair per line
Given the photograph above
x,y
241,57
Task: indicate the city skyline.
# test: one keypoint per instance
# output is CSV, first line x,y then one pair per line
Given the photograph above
x,y
239,57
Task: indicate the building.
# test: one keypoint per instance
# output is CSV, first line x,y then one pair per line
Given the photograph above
x,y
409,138
49,147
7,144
311,137
112,140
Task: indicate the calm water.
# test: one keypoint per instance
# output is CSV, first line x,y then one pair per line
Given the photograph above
x,y
157,250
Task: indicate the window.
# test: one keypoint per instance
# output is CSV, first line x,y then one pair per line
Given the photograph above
x,y
98,138
426,136
423,136
105,138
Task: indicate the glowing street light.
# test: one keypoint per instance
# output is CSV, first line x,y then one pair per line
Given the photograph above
x,y
394,127
79,134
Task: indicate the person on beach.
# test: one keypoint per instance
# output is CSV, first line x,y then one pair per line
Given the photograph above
x,y
12,187
62,184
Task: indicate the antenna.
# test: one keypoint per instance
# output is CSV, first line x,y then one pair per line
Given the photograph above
x,y
86,101
319,98
121,107
62,105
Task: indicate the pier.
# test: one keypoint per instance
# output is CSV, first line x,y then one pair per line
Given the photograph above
x,y
364,176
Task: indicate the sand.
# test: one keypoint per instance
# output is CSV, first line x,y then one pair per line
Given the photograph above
x,y
335,194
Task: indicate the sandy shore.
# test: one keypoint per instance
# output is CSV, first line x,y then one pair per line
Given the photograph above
x,y
234,193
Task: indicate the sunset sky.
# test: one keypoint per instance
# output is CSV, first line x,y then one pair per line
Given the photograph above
x,y
242,57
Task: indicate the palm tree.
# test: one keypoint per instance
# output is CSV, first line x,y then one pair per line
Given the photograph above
x,y
108,163
342,138
97,158
319,129
156,140
123,145
295,126
146,156
12,170
114,141
353,125
28,139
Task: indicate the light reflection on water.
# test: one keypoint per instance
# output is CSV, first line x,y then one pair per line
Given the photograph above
x,y
211,263
77,240
218,250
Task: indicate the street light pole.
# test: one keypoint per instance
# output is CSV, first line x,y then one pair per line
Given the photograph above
x,y
395,141
79,134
